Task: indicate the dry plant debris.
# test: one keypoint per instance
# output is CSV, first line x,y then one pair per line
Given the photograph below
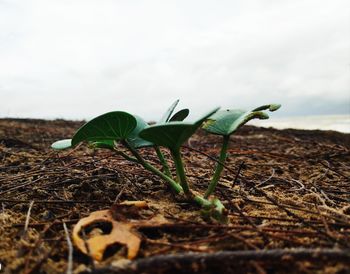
x,y
113,226
284,190
96,245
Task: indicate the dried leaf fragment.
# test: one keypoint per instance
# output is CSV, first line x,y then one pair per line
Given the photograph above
x,y
120,233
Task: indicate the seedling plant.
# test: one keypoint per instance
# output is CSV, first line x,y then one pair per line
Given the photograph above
x,y
118,129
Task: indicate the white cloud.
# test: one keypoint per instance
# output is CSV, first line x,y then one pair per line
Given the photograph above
x,y
80,58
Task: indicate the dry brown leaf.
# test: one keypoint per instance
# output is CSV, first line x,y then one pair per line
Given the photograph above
x,y
121,233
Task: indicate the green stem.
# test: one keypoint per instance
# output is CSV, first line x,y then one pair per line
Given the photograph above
x,y
219,167
163,161
201,201
127,157
216,207
175,186
213,208
180,172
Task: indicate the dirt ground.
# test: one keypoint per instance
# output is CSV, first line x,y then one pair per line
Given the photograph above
x,y
287,192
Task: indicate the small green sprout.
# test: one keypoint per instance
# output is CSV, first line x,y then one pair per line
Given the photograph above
x,y
113,129
225,123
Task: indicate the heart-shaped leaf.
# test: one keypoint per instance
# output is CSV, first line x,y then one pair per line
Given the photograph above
x,y
225,122
137,142
62,144
172,135
166,116
180,115
112,126
134,139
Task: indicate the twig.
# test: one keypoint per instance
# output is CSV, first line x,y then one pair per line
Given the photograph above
x,y
28,217
120,194
210,157
268,179
327,198
302,186
70,251
221,260
238,173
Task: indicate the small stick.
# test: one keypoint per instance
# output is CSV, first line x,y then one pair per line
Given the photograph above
x,y
302,186
237,174
185,261
70,251
210,157
327,198
268,179
119,194
28,216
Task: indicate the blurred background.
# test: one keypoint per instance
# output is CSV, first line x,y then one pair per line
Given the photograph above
x,y
78,59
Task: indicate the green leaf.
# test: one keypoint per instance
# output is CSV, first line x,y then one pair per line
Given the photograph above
x,y
270,107
180,115
166,116
135,140
112,126
172,135
62,144
225,122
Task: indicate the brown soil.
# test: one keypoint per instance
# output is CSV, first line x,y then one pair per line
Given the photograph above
x,y
287,192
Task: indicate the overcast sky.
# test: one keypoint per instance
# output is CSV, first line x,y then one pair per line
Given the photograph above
x,y
80,58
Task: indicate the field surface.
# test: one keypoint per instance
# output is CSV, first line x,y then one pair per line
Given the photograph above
x,y
287,193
